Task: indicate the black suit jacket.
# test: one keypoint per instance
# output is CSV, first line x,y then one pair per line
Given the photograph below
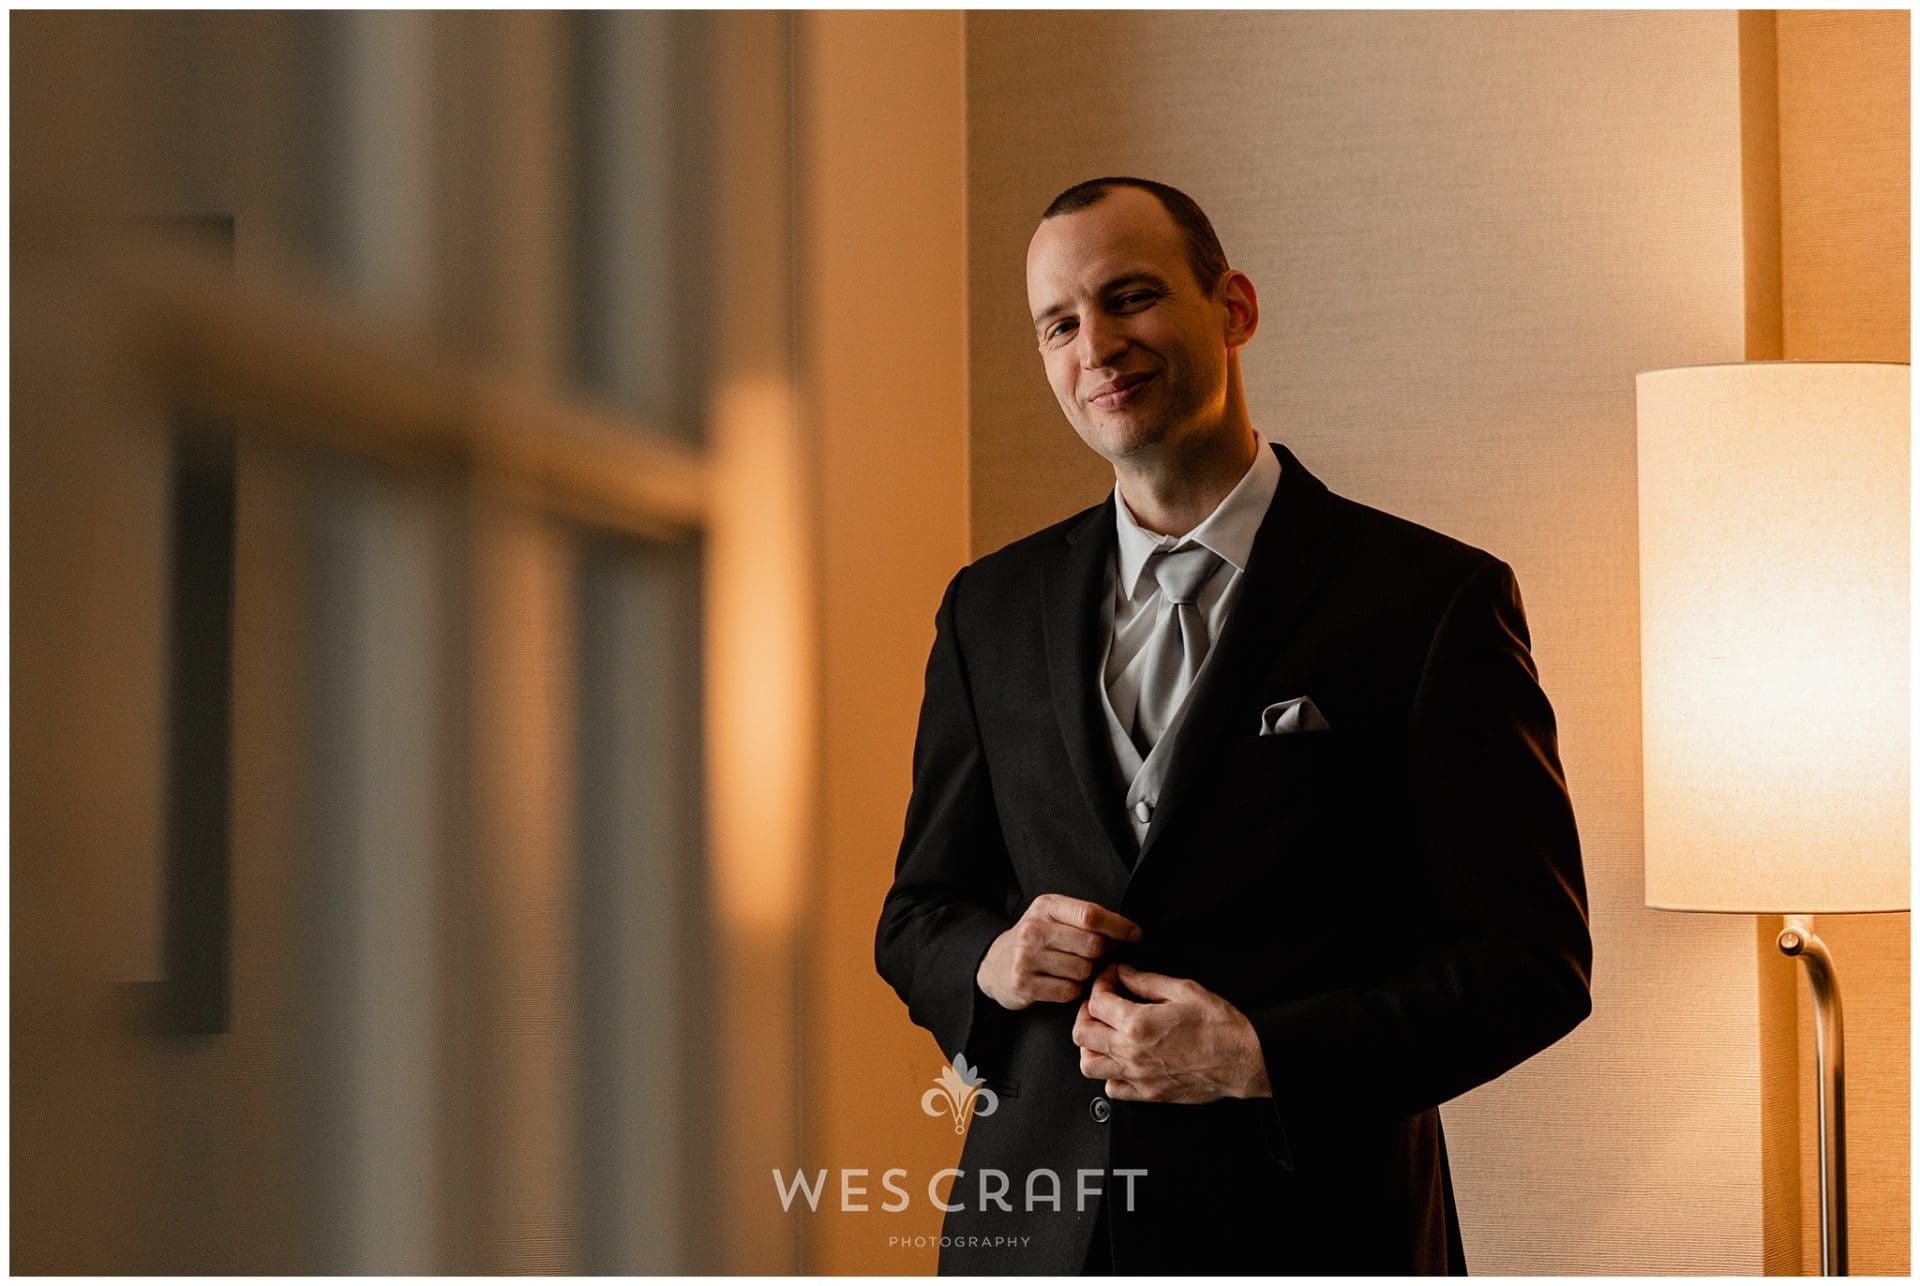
x,y
1396,902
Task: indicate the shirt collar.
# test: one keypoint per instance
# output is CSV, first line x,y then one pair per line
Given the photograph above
x,y
1228,531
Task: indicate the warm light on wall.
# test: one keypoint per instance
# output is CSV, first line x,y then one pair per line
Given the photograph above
x,y
1773,622
1773,640
760,696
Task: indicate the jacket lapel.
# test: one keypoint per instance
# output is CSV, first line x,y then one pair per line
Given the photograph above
x,y
1071,616
1290,557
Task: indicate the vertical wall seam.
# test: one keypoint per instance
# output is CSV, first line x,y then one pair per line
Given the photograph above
x,y
1776,1002
1760,183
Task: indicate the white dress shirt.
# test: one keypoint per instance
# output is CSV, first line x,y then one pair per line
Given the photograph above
x,y
1133,604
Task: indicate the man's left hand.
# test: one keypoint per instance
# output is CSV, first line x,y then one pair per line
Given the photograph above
x,y
1176,1043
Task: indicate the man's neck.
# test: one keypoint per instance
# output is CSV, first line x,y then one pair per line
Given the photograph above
x,y
1174,497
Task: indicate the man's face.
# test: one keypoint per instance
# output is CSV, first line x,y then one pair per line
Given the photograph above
x,y
1136,354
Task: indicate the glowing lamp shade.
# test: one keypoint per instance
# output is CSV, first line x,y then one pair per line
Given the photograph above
x,y
1774,636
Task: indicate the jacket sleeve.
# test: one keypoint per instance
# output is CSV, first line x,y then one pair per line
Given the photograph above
x,y
1497,878
952,878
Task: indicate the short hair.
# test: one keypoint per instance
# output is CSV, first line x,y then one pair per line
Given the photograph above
x,y
1204,255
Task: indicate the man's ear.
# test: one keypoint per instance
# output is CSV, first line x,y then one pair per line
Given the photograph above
x,y
1243,306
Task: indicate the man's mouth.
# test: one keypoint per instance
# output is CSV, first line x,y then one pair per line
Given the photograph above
x,y
1119,392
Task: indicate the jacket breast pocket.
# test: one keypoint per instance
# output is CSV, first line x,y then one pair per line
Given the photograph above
x,y
1298,756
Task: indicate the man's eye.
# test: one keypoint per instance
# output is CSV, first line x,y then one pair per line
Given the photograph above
x,y
1058,329
1135,297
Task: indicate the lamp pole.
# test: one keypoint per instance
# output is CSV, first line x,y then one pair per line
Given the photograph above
x,y
1798,940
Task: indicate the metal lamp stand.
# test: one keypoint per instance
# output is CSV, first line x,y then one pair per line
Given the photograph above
x,y
1797,939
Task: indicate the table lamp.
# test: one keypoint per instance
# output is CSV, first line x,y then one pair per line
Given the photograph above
x,y
1774,662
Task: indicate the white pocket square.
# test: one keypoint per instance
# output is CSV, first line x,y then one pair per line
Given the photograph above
x,y
1297,715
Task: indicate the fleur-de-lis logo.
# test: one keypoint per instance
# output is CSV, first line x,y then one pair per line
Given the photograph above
x,y
965,1093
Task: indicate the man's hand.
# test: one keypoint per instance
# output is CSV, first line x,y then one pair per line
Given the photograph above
x,y
1050,952
1179,1043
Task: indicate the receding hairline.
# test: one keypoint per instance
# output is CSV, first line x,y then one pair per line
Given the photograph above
x,y
1206,258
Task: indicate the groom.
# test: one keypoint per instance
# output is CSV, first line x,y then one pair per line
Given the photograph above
x,y
1238,840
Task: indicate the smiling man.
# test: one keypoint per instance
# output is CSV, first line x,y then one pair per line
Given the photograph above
x,y
1238,840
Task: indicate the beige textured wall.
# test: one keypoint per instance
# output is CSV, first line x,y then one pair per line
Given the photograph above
x,y
882,130
1845,279
1470,231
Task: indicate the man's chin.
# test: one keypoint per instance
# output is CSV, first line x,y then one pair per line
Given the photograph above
x,y
1117,438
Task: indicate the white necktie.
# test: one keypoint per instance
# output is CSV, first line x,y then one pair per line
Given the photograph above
x,y
1179,641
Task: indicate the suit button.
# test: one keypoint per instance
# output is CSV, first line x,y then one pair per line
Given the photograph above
x,y
1100,1109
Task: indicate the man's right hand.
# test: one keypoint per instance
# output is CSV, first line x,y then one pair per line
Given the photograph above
x,y
1051,952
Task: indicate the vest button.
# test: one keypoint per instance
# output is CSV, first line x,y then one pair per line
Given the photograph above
x,y
1144,811
1100,1110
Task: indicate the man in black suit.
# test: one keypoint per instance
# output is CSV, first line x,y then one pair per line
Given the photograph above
x,y
1238,840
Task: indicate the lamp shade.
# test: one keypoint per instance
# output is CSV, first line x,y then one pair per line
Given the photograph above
x,y
1774,635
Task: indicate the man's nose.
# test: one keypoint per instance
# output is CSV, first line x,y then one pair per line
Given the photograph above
x,y
1101,344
